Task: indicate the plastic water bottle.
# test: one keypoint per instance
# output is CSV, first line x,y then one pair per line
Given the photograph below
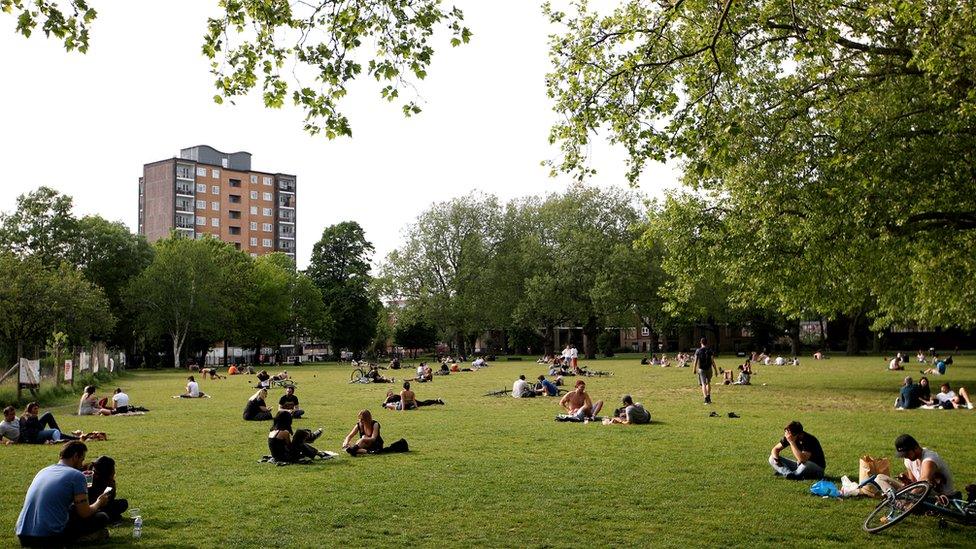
x,y
137,527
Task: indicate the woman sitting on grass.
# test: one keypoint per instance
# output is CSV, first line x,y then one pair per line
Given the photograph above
x,y
370,441
104,477
287,449
43,429
256,409
89,404
192,389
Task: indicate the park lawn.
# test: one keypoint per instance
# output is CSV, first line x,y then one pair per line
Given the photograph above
x,y
494,471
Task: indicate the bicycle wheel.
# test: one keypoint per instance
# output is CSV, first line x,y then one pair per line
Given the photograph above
x,y
894,509
357,375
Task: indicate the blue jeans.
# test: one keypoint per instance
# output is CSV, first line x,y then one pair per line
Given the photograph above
x,y
48,434
807,470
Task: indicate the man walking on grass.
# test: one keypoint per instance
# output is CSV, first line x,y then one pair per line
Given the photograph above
x,y
704,365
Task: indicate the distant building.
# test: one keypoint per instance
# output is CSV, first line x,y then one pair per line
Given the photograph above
x,y
208,192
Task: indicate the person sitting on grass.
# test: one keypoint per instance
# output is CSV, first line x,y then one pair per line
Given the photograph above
x,y
522,389
264,380
40,430
810,461
280,376
103,476
908,396
546,388
89,404
818,355
233,371
289,403
630,414
370,441
479,363
192,389
745,374
949,399
256,408
923,393
424,373
56,510
578,404
374,376
445,370
286,448
920,464
895,364
407,400
10,426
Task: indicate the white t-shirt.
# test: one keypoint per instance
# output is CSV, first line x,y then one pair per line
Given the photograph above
x,y
915,467
567,353
478,362
945,397
573,353
194,388
120,399
520,386
780,361
420,371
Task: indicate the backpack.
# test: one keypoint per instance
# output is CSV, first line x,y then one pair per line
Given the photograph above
x,y
397,447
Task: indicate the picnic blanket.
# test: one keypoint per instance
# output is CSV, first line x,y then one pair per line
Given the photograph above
x,y
130,414
323,455
574,419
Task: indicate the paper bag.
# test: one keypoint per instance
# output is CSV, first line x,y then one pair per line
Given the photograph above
x,y
872,466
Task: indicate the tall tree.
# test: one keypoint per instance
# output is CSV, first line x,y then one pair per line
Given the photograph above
x,y
190,288
42,226
807,124
340,267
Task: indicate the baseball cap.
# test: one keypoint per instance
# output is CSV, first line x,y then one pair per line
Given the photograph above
x,y
905,444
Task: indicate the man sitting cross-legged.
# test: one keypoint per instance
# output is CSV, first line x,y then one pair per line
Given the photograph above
x,y
289,403
810,461
578,404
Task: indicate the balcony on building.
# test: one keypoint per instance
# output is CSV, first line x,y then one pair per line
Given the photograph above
x,y
184,171
286,201
286,185
184,188
286,216
184,221
184,205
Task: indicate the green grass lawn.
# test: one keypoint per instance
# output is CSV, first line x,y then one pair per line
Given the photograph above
x,y
494,471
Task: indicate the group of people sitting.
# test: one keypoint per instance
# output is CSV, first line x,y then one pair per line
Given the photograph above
x,y
938,368
256,408
31,428
919,395
61,507
542,387
744,377
294,446
119,403
681,360
265,379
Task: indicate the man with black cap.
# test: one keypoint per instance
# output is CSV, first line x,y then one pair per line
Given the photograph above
x,y
924,464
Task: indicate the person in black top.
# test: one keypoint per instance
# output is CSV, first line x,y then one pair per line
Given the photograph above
x,y
369,441
256,409
810,461
287,449
38,430
264,379
704,365
289,402
104,477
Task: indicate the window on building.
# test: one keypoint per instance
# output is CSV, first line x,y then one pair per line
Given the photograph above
x,y
267,211
254,241
266,242
201,188
201,204
215,173
267,196
254,179
267,181
254,210
215,189
235,230
214,222
254,225
201,220
234,214
645,332
266,227
215,206
253,254
235,182
254,195
201,171
234,198
223,162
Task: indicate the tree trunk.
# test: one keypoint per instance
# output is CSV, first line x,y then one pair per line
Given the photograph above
x,y
225,353
823,336
852,344
795,338
177,346
591,331
548,348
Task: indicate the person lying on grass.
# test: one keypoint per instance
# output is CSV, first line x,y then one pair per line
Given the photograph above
x,y
373,374
286,448
368,430
939,367
577,402
810,461
630,414
103,476
949,399
289,403
407,400
88,406
192,389
43,429
256,408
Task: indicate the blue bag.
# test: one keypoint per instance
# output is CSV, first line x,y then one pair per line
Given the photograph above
x,y
825,488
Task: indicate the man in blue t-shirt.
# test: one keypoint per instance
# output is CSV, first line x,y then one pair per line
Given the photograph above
x,y
56,509
546,387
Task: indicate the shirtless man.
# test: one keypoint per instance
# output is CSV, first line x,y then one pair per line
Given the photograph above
x,y
407,400
578,403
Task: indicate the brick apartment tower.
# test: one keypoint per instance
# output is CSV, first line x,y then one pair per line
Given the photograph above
x,y
207,192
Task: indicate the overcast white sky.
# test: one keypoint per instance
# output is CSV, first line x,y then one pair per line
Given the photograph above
x,y
85,124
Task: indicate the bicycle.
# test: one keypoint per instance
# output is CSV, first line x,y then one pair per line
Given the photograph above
x,y
358,375
916,498
283,383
